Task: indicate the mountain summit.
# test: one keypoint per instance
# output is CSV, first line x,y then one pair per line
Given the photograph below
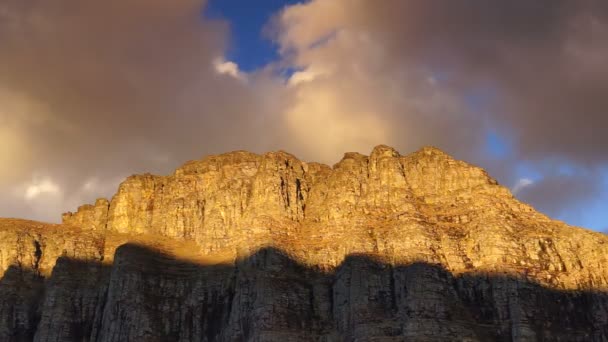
x,y
248,247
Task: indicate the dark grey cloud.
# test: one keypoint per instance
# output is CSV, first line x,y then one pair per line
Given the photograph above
x,y
539,64
532,71
561,195
543,60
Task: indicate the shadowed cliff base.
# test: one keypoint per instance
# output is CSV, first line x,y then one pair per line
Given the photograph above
x,y
148,296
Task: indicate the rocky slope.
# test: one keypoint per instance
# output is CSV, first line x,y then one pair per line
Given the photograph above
x,y
246,247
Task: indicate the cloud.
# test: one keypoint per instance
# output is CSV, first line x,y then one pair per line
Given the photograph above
x,y
521,184
93,91
228,68
353,94
41,187
39,196
562,195
406,72
109,88
543,59
304,76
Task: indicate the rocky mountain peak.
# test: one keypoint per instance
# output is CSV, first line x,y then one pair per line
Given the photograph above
x,y
382,151
243,246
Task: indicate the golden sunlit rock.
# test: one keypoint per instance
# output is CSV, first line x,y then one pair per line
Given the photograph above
x,y
266,247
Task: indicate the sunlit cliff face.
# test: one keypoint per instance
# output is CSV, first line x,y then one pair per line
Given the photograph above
x,y
112,88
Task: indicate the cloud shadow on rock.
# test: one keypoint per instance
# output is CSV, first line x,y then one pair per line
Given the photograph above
x,y
146,295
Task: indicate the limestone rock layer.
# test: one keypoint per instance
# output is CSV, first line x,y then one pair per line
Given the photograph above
x,y
247,247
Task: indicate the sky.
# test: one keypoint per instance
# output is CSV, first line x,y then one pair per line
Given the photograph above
x,y
93,91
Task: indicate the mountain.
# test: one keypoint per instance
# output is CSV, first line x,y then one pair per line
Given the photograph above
x,y
247,247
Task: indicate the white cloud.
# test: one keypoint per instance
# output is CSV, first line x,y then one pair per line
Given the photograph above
x,y
228,68
39,187
304,76
351,92
521,184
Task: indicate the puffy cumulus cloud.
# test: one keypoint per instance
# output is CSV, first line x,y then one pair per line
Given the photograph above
x,y
437,72
100,89
42,197
38,197
350,92
414,61
41,187
228,68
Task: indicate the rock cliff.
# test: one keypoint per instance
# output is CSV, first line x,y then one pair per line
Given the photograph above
x,y
247,247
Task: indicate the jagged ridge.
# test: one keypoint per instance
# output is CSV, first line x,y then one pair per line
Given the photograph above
x,y
424,208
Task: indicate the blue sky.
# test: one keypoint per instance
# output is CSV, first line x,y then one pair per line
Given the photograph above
x,y
591,213
248,47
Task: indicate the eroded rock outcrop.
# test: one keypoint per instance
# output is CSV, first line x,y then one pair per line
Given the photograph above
x,y
266,247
